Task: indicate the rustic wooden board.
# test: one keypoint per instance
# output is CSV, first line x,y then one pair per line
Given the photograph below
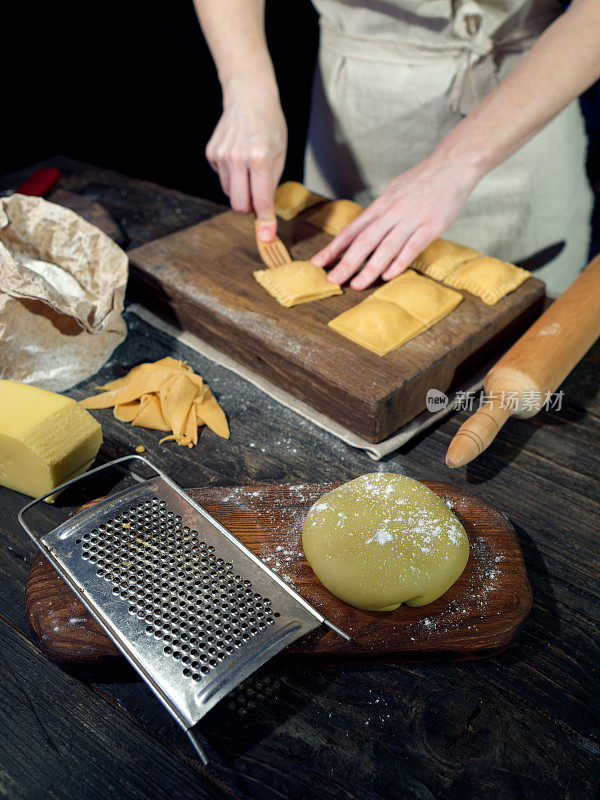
x,y
200,278
478,616
91,211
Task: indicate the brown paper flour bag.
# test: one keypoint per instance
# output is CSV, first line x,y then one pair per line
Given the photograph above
x,y
62,284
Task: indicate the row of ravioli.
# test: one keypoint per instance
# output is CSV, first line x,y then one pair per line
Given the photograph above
x,y
405,306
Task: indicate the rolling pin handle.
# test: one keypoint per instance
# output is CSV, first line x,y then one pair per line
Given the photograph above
x,y
476,434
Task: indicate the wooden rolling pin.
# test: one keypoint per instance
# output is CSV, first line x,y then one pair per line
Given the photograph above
x,y
518,385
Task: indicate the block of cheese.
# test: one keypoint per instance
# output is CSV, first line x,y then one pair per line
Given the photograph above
x,y
45,438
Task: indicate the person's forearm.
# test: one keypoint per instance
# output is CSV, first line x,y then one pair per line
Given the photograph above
x,y
235,34
248,146
561,65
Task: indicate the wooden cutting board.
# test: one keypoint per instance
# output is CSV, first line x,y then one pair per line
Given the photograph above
x,y
201,279
91,211
478,615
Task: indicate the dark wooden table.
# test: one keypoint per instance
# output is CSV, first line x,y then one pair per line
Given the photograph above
x,y
521,724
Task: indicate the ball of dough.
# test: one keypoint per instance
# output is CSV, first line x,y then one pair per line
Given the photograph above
x,y
383,539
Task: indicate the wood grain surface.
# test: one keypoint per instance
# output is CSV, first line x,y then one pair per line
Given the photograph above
x,y
201,279
91,211
476,617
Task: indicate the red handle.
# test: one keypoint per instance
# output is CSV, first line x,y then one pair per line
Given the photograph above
x,y
40,182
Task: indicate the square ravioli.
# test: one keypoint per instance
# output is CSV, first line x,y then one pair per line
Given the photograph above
x,y
292,197
333,217
442,257
488,278
296,282
378,325
424,299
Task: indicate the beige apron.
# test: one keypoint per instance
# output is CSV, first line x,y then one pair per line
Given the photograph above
x,y
395,76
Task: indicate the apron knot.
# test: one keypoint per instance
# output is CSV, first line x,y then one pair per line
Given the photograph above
x,y
476,73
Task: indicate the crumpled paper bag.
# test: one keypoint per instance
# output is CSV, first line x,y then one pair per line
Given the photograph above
x,y
62,284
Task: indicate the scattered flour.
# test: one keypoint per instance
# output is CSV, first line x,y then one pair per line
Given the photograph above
x,y
550,330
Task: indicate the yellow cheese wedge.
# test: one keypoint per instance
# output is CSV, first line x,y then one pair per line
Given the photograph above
x,y
45,438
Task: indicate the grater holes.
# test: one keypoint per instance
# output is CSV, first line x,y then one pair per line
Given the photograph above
x,y
188,598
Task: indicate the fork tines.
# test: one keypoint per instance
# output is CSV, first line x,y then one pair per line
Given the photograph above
x,y
273,254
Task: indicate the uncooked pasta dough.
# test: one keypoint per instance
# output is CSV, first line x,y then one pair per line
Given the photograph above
x,y
383,539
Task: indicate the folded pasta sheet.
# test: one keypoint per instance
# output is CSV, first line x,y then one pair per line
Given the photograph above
x,y
164,395
296,282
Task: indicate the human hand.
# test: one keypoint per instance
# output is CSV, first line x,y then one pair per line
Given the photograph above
x,y
247,149
414,209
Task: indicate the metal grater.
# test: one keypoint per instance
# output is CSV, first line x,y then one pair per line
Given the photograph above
x,y
192,609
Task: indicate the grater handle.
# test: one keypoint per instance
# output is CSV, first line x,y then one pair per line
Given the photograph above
x,y
134,457
337,630
197,746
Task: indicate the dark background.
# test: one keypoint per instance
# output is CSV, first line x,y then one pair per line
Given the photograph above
x,y
131,86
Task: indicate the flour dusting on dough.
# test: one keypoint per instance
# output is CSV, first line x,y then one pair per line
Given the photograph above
x,y
381,536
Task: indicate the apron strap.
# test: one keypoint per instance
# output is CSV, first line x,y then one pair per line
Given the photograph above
x,y
476,75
